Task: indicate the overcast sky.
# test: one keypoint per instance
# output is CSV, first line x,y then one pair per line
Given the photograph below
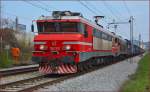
x,y
118,10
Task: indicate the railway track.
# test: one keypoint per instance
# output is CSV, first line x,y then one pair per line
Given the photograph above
x,y
31,84
18,70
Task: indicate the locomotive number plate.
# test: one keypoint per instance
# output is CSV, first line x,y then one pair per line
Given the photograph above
x,y
54,48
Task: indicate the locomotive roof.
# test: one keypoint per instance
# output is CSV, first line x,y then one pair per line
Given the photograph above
x,y
78,18
82,20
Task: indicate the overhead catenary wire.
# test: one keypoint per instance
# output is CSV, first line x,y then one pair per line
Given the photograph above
x,y
92,11
111,11
42,3
117,12
94,7
37,6
128,10
99,11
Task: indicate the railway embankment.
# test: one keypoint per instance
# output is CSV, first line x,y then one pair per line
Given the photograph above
x,y
140,80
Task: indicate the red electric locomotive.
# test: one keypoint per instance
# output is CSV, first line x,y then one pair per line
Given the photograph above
x,y
67,43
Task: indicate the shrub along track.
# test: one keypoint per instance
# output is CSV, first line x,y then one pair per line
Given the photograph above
x,y
31,84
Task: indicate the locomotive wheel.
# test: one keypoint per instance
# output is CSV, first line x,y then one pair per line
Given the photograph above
x,y
80,68
113,60
90,65
95,61
85,66
104,61
98,61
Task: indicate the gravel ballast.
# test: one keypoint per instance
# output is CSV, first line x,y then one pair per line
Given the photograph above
x,y
14,78
107,79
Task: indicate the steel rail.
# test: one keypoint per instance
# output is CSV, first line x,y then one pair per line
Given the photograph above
x,y
72,76
17,71
32,84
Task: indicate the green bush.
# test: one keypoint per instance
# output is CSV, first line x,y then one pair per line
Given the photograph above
x,y
5,61
25,57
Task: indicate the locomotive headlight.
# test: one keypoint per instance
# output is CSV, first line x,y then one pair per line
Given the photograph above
x,y
67,47
43,47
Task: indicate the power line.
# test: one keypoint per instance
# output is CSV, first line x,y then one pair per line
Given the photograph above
x,y
38,6
97,9
12,14
87,7
128,10
92,11
45,4
111,11
94,7
118,12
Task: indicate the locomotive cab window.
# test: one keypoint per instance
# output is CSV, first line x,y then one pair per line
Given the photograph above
x,y
68,27
48,27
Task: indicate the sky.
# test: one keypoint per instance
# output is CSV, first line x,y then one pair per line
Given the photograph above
x,y
120,11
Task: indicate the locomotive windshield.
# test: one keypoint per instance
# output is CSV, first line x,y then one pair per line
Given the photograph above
x,y
48,27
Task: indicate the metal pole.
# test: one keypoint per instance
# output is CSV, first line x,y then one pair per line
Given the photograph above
x,y
0,14
131,33
16,23
149,30
139,40
1,39
115,27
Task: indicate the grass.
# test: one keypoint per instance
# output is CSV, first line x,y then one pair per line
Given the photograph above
x,y
5,60
140,81
25,57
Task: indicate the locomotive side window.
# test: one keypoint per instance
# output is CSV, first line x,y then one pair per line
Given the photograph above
x,y
85,31
97,33
104,36
81,28
116,40
109,38
101,35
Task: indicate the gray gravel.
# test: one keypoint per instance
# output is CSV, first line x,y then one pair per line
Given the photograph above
x,y
18,77
108,79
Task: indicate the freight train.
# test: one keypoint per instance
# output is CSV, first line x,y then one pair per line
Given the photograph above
x,y
68,43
